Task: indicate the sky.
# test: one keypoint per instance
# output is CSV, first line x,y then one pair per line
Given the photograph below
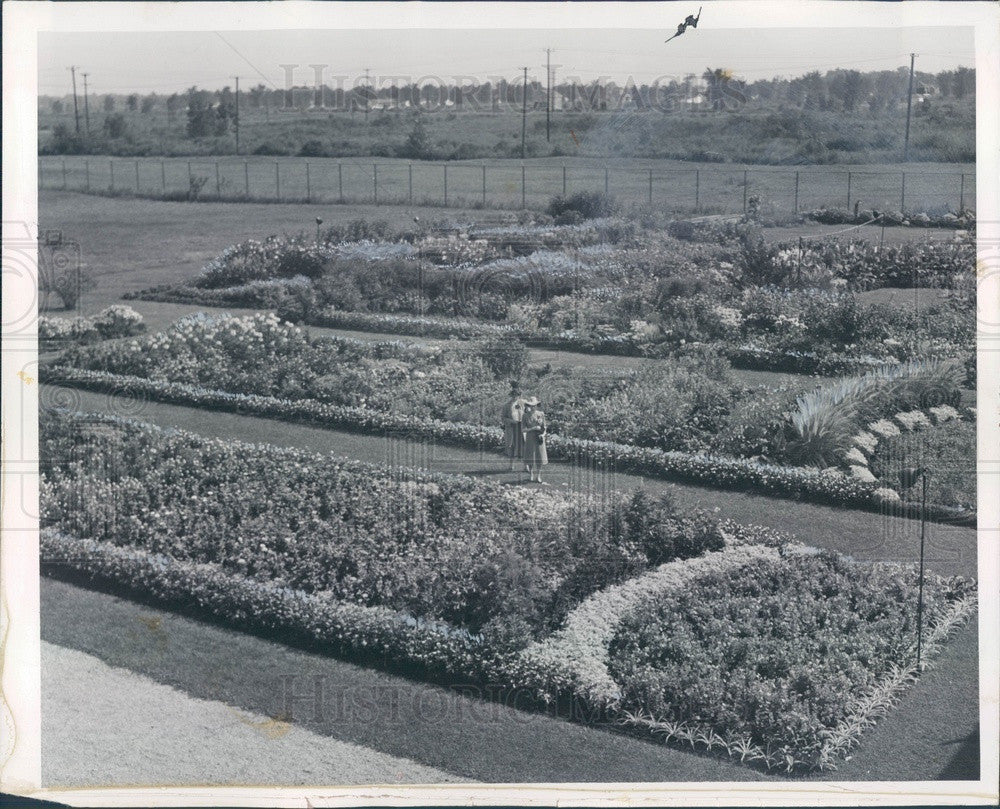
x,y
166,62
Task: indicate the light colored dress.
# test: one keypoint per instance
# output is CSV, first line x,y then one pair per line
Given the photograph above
x,y
533,425
512,413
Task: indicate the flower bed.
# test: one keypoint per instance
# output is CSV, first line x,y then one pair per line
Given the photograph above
x,y
784,658
487,559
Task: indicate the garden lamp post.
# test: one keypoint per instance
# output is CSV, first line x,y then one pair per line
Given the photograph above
x,y
907,478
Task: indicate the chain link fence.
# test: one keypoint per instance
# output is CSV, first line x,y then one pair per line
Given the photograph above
x,y
510,184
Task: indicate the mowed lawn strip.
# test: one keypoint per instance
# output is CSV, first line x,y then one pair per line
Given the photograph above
x,y
950,550
936,720
135,730
436,727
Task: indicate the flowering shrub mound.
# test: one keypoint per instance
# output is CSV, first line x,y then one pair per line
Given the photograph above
x,y
114,321
773,658
482,557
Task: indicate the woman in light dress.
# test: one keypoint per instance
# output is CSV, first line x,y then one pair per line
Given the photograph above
x,y
534,428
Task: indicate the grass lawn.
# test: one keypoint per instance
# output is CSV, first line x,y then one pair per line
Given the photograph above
x,y
429,725
950,550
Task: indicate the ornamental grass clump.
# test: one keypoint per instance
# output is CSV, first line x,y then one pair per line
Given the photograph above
x,y
827,421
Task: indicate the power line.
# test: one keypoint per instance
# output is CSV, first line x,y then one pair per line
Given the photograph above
x,y
76,105
548,92
237,113
909,106
255,68
524,110
86,102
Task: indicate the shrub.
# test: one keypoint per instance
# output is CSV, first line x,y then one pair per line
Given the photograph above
x,y
505,356
588,204
663,534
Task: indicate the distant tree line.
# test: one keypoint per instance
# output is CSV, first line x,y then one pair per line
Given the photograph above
x,y
211,112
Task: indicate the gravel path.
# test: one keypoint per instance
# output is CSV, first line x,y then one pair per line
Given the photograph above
x,y
104,726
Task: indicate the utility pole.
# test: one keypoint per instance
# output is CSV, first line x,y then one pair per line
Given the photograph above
x,y
237,118
76,105
86,103
366,95
548,92
909,105
524,110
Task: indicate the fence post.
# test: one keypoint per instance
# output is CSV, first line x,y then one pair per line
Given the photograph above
x,y
136,176
64,173
340,182
746,181
697,189
445,185
605,182
650,186
409,180
902,195
484,184
848,191
86,168
375,182
218,180
564,179
163,178
246,178
961,195
277,180
795,209
308,184
524,193
111,165
190,177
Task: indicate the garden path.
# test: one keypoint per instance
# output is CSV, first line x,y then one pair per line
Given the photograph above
x,y
951,550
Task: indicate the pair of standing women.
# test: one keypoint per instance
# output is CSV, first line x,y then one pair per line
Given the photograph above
x,y
524,431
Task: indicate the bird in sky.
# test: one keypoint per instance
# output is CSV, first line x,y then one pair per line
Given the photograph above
x,y
690,22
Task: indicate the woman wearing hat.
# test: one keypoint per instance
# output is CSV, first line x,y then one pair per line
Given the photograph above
x,y
511,415
534,428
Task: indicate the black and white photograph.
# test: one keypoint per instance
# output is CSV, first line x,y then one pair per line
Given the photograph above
x,y
406,400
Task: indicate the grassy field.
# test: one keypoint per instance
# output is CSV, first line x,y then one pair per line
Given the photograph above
x,y
661,184
758,133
